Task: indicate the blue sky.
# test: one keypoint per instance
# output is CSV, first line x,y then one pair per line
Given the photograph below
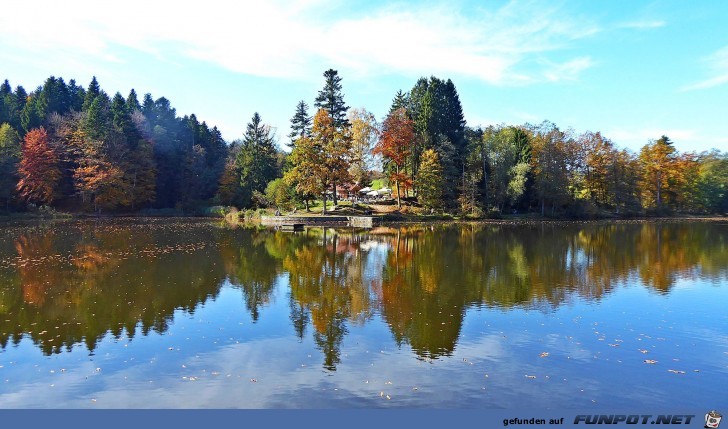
x,y
633,70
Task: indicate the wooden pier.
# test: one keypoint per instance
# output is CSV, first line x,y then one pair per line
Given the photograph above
x,y
338,221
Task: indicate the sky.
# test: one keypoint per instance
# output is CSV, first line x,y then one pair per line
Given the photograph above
x,y
634,70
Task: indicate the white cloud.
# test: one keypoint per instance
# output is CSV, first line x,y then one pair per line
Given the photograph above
x,y
569,70
643,25
298,39
685,139
717,65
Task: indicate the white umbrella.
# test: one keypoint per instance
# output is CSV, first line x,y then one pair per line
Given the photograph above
x,y
372,193
365,190
385,191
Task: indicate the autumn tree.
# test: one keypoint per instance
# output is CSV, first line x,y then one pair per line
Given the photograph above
x,y
38,169
660,171
320,160
395,144
549,164
430,180
364,133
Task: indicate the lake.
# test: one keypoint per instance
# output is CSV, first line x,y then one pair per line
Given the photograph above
x,y
190,313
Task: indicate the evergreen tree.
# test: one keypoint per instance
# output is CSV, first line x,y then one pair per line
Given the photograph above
x,y
76,95
401,100
256,159
332,99
53,98
6,93
93,91
9,158
96,123
120,117
132,102
300,123
29,117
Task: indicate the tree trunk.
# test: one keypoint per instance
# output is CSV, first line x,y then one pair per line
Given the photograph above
x,y
399,201
324,211
305,202
336,201
659,191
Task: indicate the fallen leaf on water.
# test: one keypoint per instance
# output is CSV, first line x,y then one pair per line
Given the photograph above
x,y
544,354
675,371
530,376
650,361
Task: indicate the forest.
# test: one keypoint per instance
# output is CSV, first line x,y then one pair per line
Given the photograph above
x,y
76,149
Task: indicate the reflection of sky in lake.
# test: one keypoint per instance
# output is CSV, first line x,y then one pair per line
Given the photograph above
x,y
218,356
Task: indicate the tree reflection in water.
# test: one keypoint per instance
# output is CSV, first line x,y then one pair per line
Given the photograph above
x,y
74,283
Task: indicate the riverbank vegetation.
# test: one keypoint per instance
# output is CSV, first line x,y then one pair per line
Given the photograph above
x,y
73,149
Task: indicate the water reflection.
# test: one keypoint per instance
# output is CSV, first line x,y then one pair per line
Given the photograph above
x,y
74,283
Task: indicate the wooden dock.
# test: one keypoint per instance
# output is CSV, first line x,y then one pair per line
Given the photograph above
x,y
337,221
291,227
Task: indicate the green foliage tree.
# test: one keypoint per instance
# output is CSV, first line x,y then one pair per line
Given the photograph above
x,y
280,194
9,158
300,123
331,99
257,158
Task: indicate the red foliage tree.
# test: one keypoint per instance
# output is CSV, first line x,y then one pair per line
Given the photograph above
x,y
395,144
39,171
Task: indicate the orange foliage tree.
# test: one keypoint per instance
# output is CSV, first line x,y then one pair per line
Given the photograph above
x,y
395,144
39,171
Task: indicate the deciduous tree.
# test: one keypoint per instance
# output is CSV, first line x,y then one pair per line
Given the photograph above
x,y
395,145
38,169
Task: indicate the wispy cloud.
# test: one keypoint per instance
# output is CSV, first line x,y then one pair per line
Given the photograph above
x,y
642,25
296,40
635,138
569,70
717,66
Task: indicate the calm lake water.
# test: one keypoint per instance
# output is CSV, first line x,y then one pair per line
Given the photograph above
x,y
187,313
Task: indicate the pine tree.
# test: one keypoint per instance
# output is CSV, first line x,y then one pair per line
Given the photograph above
x,y
132,102
401,100
332,99
96,122
300,123
9,158
257,158
93,91
29,117
5,95
76,95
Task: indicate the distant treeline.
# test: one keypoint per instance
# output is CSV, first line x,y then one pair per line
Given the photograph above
x,y
76,148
